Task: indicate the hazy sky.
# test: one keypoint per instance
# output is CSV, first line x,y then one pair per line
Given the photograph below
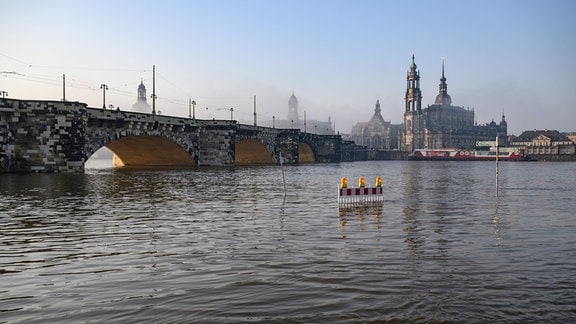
x,y
338,57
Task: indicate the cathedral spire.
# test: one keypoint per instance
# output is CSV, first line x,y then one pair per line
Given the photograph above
x,y
443,98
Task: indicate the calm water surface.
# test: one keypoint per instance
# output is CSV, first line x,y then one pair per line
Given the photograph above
x,y
227,245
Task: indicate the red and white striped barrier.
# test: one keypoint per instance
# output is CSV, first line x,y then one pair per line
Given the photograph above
x,y
362,196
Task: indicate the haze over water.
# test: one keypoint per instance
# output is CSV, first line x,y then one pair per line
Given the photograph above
x,y
226,245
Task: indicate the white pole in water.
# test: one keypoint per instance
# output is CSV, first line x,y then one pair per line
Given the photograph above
x,y
281,159
497,171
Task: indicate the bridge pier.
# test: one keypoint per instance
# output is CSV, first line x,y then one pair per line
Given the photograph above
x,y
42,136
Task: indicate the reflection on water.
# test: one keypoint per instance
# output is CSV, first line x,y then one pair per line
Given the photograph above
x,y
228,245
360,216
496,221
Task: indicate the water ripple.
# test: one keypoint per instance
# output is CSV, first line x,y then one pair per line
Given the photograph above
x,y
227,245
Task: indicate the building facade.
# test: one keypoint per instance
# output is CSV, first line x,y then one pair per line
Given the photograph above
x,y
538,143
442,125
294,121
376,133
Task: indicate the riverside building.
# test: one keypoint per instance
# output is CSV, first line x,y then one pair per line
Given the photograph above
x,y
442,125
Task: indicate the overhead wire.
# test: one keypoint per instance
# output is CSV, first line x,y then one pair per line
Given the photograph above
x,y
76,83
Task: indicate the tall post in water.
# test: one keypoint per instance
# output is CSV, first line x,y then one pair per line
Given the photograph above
x,y
497,171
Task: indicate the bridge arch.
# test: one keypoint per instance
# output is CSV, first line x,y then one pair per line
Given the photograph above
x,y
305,153
143,149
146,150
251,152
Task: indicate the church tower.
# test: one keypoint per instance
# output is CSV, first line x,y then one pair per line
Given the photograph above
x,y
443,98
142,91
141,105
413,113
413,96
293,109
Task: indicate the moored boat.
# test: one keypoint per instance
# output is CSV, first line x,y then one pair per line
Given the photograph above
x,y
504,154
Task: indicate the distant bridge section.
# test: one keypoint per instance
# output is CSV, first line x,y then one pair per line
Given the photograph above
x,y
56,136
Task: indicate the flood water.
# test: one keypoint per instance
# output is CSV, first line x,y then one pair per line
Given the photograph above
x,y
229,245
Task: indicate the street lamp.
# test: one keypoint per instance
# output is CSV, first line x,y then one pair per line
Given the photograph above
x,y
231,113
273,121
104,88
191,108
4,94
292,123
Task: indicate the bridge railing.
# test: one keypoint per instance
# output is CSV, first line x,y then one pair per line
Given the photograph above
x,y
99,113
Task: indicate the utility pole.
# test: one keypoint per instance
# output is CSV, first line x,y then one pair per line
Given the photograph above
x,y
104,88
254,110
153,90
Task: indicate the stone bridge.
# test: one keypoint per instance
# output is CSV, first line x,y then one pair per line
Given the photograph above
x,y
60,136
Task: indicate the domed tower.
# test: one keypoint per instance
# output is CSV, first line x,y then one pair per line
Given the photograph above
x,y
413,96
141,105
141,91
293,108
413,114
443,98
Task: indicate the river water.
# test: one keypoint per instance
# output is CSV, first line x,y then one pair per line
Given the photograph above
x,y
229,245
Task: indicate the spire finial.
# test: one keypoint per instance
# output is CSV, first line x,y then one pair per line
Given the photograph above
x,y
413,66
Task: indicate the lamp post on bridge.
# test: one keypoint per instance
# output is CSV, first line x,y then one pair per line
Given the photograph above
x,y
231,114
4,94
192,105
273,121
104,87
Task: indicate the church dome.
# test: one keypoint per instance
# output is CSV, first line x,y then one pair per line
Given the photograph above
x,y
413,64
443,99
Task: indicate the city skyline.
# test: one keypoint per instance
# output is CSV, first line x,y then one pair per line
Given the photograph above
x,y
338,57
